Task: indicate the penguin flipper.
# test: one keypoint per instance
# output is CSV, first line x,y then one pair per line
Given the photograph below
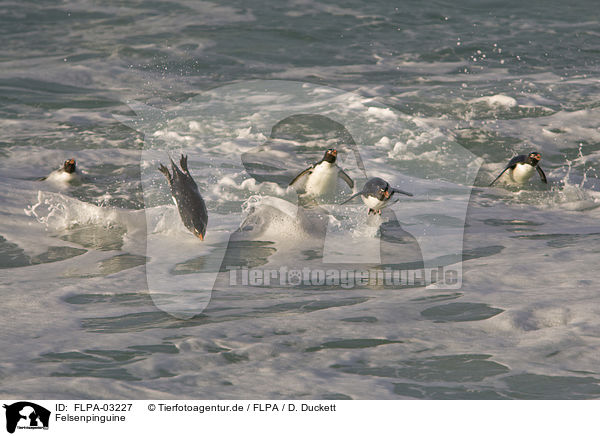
x,y
541,173
346,178
306,171
511,165
503,171
400,191
163,169
353,196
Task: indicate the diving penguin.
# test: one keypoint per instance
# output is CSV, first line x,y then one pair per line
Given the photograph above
x,y
321,177
520,168
376,194
186,196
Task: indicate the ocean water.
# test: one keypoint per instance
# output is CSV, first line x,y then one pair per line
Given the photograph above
x,y
105,294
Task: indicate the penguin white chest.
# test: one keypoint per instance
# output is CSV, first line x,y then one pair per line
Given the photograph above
x,y
373,202
522,172
60,176
322,180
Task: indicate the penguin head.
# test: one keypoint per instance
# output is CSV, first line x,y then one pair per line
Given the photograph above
x,y
197,231
385,194
533,158
330,155
378,188
383,191
69,166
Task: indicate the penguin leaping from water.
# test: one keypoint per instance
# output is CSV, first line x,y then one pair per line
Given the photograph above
x,y
376,194
186,196
521,167
321,177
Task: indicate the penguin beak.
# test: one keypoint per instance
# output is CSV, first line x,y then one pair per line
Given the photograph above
x,y
386,194
334,152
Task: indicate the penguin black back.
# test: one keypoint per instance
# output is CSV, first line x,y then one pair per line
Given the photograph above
x,y
186,196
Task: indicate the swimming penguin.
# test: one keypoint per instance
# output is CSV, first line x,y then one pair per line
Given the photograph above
x,y
376,194
186,196
520,168
321,177
66,173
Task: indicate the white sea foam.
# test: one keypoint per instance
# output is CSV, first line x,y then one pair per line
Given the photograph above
x,y
497,101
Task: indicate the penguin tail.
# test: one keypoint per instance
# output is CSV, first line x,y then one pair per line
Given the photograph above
x,y
183,163
177,173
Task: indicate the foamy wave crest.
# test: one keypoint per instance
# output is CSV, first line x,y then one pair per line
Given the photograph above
x,y
278,219
498,100
230,183
574,197
59,212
